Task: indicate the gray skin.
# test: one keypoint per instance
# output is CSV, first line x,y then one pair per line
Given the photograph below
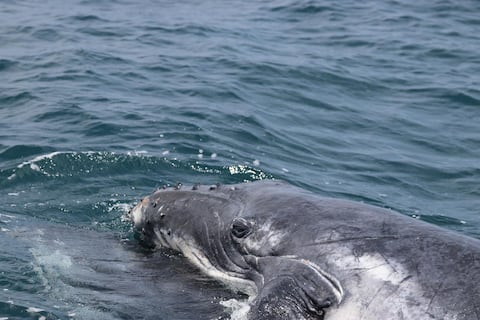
x,y
301,256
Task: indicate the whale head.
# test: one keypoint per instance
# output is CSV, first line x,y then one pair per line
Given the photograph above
x,y
239,235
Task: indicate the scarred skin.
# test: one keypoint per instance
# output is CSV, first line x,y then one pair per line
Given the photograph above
x,y
302,256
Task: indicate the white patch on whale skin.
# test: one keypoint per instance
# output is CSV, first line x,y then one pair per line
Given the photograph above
x,y
190,250
378,288
376,267
159,240
137,214
264,238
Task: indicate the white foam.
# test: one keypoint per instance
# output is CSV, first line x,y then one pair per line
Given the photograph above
x,y
236,169
33,162
123,207
238,309
136,153
34,310
55,259
40,158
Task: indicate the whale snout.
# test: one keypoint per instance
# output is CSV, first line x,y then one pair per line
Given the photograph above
x,y
137,213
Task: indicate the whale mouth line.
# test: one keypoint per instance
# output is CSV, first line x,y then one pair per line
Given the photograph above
x,y
196,256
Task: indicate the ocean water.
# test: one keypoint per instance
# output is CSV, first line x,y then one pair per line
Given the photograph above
x,y
103,101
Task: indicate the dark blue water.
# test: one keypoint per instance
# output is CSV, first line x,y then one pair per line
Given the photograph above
x,y
103,101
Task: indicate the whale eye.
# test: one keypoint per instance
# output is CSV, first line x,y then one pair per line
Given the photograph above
x,y
240,228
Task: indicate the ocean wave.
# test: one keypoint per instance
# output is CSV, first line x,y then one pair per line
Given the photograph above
x,y
15,98
68,165
6,64
301,7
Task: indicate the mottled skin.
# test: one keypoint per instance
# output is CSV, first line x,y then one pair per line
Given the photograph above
x,y
306,257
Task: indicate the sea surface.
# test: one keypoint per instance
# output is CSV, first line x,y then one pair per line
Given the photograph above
x,y
102,101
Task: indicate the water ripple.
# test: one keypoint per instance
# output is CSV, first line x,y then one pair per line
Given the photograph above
x,y
6,64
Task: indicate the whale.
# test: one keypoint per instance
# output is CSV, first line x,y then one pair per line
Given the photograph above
x,y
298,255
